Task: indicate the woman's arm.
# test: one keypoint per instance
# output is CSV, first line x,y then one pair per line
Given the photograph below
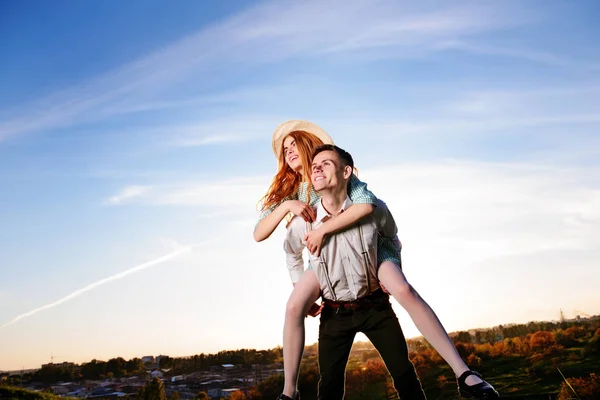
x,y
269,223
354,213
364,204
350,216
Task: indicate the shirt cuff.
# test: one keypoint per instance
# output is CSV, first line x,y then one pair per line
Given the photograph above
x,y
296,274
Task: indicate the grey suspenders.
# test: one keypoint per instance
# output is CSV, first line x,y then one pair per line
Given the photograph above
x,y
365,258
365,261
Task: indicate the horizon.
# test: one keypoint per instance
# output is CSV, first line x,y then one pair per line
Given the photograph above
x,y
356,341
135,144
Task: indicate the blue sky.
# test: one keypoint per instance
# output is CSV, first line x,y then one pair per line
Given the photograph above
x,y
130,132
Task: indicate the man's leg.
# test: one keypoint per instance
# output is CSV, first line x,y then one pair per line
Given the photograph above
x,y
336,334
305,293
382,328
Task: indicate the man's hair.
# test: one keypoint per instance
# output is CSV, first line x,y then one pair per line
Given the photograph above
x,y
343,154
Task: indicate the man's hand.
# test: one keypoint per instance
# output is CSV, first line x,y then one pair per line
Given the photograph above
x,y
315,310
301,209
314,241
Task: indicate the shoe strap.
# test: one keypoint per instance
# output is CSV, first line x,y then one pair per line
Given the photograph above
x,y
462,379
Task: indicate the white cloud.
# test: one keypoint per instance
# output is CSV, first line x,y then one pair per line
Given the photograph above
x,y
128,194
484,244
483,229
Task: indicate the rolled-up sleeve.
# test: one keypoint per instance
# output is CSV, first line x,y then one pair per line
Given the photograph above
x,y
385,221
293,247
358,192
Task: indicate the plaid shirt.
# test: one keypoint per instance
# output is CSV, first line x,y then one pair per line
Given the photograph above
x,y
388,249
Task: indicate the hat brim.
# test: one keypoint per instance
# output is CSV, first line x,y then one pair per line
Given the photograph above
x,y
288,127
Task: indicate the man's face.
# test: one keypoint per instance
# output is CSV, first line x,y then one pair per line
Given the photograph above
x,y
327,171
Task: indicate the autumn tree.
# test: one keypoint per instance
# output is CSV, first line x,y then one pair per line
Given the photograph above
x,y
271,387
474,361
541,340
584,388
237,396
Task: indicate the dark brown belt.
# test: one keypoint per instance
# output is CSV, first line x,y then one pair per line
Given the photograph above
x,y
363,302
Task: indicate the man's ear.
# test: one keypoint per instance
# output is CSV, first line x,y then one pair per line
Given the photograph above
x,y
347,172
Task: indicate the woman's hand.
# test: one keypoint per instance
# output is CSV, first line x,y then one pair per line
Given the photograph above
x,y
315,310
314,241
301,209
383,288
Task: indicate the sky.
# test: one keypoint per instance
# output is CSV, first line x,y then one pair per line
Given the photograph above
x,y
135,144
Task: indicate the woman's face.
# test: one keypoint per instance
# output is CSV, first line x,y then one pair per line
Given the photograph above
x,y
290,152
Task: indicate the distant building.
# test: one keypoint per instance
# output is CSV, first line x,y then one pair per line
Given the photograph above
x,y
65,364
148,359
60,389
156,374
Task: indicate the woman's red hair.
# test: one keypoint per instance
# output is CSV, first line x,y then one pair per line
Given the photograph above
x,y
287,181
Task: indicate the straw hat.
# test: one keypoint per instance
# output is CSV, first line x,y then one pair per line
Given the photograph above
x,y
288,127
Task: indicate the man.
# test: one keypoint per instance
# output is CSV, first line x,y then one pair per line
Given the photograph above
x,y
347,272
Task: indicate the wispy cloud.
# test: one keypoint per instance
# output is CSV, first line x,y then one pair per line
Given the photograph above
x,y
531,55
267,33
101,282
127,194
218,193
234,129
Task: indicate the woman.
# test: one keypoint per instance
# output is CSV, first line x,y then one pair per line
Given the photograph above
x,y
291,193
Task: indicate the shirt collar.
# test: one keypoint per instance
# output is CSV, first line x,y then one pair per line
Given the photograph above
x,y
322,213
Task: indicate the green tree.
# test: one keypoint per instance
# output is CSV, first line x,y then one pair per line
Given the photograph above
x,y
135,366
153,390
463,337
117,366
94,369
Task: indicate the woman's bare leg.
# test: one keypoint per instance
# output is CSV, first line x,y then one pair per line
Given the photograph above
x,y
304,295
423,316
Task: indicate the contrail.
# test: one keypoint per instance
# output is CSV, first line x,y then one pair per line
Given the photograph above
x,y
101,282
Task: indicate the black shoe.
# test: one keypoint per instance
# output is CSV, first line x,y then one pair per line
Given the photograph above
x,y
479,391
284,397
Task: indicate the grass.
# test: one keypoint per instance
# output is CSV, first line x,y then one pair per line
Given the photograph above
x,y
11,392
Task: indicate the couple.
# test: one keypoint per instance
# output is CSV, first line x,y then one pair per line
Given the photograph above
x,y
360,251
